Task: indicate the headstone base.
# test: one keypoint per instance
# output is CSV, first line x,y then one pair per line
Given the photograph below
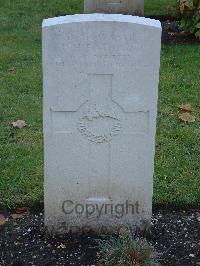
x,y
127,7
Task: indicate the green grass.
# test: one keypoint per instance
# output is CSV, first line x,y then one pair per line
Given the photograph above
x,y
21,151
161,7
177,168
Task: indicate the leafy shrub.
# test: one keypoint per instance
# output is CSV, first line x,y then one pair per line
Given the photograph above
x,y
125,251
190,12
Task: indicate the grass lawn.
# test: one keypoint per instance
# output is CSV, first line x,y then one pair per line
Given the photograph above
x,y
177,173
161,7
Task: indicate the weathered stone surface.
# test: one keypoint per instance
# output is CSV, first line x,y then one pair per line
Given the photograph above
x,y
131,7
101,77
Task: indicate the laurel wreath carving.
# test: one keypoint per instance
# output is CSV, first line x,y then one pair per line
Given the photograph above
x,y
96,113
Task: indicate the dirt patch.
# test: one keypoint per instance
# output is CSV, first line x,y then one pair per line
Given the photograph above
x,y
172,33
175,236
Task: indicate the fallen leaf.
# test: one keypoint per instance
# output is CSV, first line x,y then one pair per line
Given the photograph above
x,y
172,33
21,210
186,117
2,219
19,124
181,33
182,4
185,107
16,216
62,246
185,33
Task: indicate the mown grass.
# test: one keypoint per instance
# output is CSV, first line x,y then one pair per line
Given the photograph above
x,y
177,168
161,7
177,177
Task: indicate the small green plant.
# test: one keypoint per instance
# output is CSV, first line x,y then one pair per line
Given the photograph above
x,y
190,12
124,250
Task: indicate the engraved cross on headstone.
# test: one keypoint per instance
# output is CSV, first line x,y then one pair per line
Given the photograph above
x,y
99,120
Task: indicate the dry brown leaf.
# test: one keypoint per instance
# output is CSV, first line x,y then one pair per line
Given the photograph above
x,y
21,210
185,107
19,124
181,33
16,216
172,33
186,117
182,5
184,33
62,246
2,219
19,213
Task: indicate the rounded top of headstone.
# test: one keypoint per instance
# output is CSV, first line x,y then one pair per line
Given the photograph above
x,y
101,17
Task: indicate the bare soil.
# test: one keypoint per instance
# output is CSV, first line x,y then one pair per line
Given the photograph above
x,y
173,34
175,236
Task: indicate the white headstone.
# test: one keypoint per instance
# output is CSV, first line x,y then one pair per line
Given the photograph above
x,y
101,76
131,7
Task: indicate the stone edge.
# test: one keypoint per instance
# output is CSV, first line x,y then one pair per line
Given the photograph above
x,y
101,18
